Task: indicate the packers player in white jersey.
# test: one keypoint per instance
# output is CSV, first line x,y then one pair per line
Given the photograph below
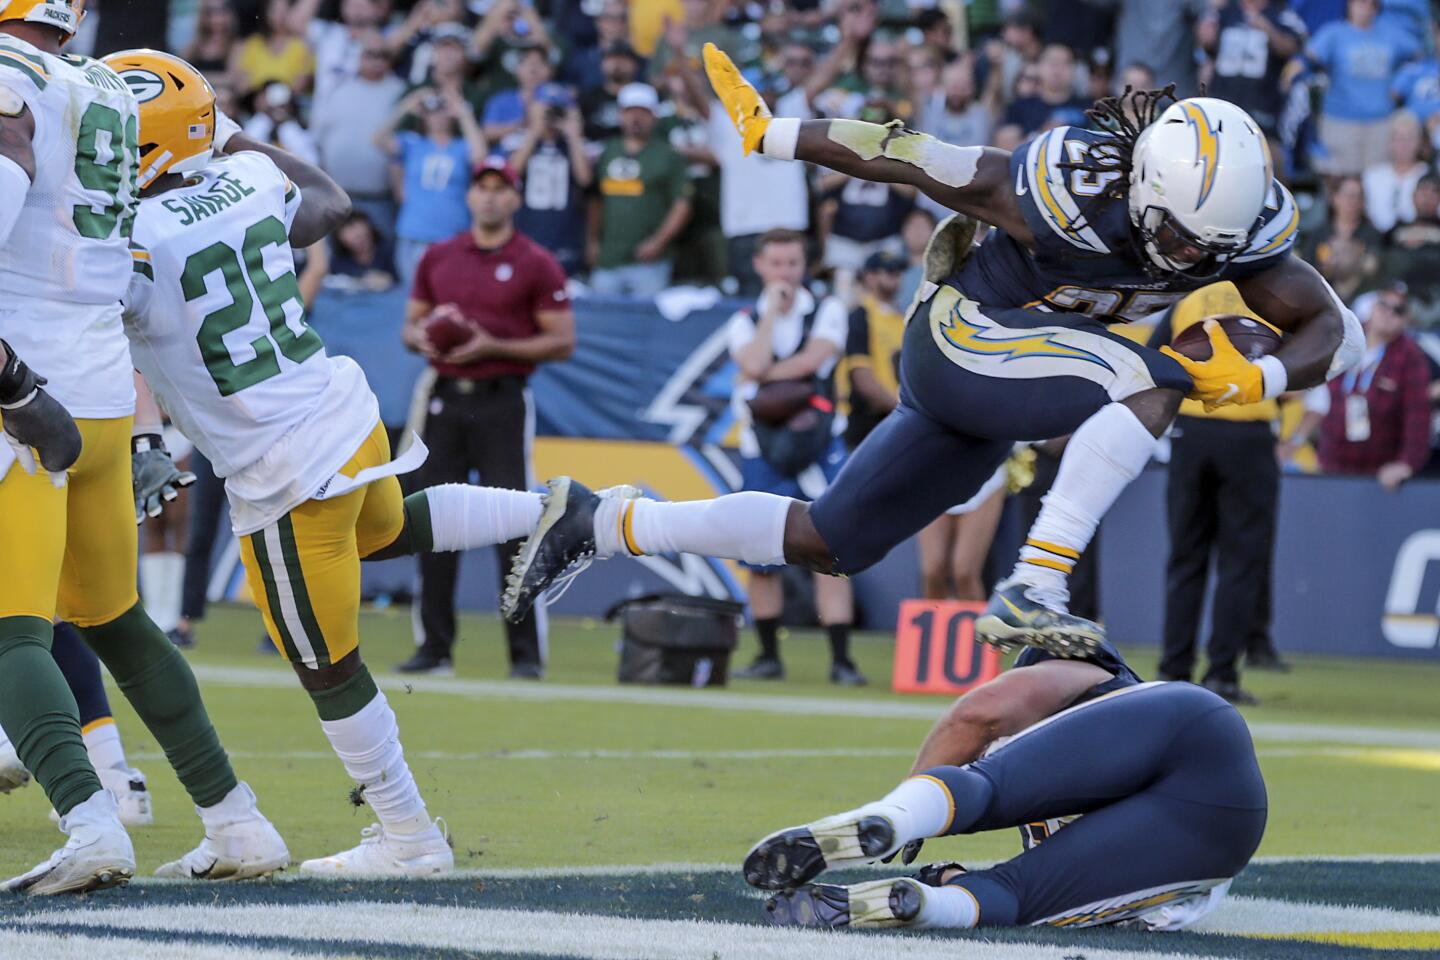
x,y
217,327
68,163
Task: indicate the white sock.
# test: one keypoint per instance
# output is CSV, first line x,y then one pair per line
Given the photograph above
x,y
102,742
237,806
463,517
746,526
368,743
948,908
919,808
1105,454
161,579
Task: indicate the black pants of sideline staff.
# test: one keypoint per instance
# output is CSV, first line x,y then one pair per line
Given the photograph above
x,y
1223,495
480,426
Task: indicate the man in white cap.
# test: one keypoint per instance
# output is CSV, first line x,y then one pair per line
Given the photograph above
x,y
643,205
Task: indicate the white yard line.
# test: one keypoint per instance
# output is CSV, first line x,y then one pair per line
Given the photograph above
x,y
1255,915
771,703
686,755
546,933
41,945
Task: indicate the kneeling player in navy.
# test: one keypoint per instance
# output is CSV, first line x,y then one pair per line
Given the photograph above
x,y
1009,341
1150,833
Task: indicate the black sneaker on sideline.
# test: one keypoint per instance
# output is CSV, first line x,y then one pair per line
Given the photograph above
x,y
426,662
846,674
182,639
763,668
1267,660
527,670
1232,692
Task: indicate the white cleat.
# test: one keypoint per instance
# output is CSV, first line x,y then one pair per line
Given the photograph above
x,y
97,854
426,854
239,844
131,793
13,774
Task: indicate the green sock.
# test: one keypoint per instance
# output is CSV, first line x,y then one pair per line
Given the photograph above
x,y
416,536
347,698
38,710
158,683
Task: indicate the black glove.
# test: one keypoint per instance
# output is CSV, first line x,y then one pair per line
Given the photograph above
x,y
154,475
907,853
33,419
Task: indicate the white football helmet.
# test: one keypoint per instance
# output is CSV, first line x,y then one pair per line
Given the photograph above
x,y
1203,171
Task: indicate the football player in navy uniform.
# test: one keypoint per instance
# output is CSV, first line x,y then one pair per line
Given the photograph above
x,y
1009,341
1149,835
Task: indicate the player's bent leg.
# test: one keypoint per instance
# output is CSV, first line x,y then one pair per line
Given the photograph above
x,y
97,725
1105,454
306,567
907,471
97,594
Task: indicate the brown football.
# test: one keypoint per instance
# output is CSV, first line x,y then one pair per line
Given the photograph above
x,y
446,327
1251,337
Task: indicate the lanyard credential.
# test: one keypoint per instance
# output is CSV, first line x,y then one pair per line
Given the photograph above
x,y
1364,375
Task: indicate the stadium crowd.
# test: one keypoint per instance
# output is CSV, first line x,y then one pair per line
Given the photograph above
x,y
636,184
632,177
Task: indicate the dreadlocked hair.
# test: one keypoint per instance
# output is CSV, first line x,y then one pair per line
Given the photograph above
x,y
1121,118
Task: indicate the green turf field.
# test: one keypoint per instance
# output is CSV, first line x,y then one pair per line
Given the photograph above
x,y
579,772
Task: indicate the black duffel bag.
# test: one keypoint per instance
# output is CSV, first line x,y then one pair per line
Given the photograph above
x,y
676,638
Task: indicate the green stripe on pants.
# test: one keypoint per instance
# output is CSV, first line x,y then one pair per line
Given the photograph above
x,y
267,574
308,623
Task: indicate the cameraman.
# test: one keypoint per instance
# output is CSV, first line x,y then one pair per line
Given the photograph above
x,y
785,342
556,172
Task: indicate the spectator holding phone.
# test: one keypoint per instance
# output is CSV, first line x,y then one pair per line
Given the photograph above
x,y
430,171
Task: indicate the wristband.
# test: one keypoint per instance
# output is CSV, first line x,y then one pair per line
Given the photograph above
x,y
146,441
781,137
1274,376
18,383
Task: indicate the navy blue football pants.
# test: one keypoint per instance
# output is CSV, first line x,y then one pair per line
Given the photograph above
x,y
965,399
1165,777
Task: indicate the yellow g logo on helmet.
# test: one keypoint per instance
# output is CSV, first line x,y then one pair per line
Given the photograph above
x,y
64,15
177,111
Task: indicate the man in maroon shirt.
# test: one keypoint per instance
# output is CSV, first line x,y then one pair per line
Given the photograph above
x,y
511,294
1375,420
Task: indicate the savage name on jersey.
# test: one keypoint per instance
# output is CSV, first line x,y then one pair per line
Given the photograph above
x,y
67,263
1085,258
217,326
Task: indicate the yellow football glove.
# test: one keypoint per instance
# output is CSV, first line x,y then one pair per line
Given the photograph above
x,y
1226,378
742,101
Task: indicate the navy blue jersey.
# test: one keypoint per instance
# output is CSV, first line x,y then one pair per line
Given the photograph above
x,y
1085,259
1106,658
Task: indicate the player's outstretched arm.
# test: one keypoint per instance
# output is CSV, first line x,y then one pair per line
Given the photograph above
x,y
1322,336
971,180
1003,707
323,203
